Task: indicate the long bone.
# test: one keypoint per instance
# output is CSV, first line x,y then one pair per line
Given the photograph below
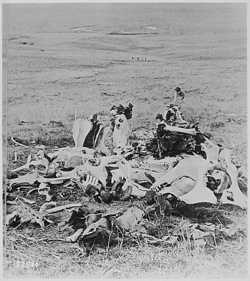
x,y
180,130
33,177
17,143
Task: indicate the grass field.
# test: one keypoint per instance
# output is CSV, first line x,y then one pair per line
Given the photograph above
x,y
67,58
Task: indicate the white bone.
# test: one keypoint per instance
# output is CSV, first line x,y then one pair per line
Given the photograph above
x,y
186,168
180,130
121,131
234,191
63,154
28,178
42,161
25,166
9,217
46,205
90,180
100,146
68,174
186,180
72,238
100,171
137,190
17,143
64,207
81,128
200,193
44,190
125,171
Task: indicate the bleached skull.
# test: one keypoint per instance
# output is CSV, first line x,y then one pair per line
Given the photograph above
x,y
121,131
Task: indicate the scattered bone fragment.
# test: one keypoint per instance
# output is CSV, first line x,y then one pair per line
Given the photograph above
x,y
26,213
15,156
46,205
64,207
17,143
181,177
10,217
72,238
44,190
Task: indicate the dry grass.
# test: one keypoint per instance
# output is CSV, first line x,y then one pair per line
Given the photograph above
x,y
201,48
61,260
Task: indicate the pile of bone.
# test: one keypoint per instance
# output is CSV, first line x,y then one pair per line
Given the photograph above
x,y
178,159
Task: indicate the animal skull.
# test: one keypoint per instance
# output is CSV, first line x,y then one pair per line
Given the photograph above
x,y
121,131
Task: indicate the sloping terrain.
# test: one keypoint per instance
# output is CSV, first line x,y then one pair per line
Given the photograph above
x,y
66,60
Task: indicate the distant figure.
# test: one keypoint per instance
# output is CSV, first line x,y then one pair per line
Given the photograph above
x,y
178,94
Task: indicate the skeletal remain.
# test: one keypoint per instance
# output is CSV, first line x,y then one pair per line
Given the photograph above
x,y
161,166
72,238
63,154
180,130
53,168
30,178
10,217
26,213
81,128
100,171
213,150
186,180
232,195
218,181
44,190
93,228
41,160
46,205
90,179
125,171
121,131
100,146
17,143
90,219
33,177
25,166
28,201
61,208
200,193
174,116
15,156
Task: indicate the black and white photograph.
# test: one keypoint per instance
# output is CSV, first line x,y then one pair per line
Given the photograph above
x,y
124,140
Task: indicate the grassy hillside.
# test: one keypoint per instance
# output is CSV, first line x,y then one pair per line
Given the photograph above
x,y
62,60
